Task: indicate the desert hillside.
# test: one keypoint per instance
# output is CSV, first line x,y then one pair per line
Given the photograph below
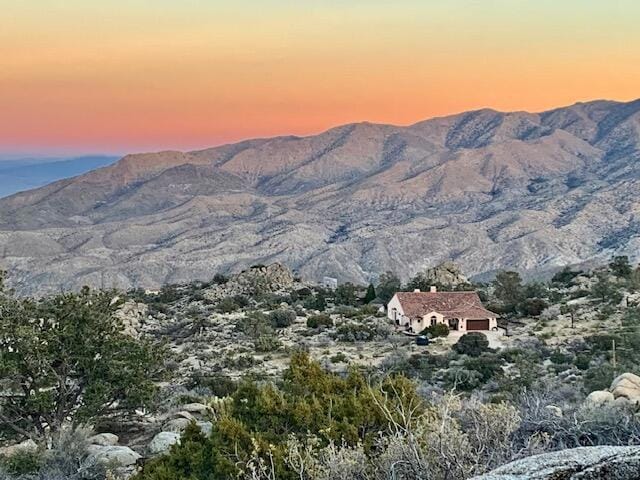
x,y
489,190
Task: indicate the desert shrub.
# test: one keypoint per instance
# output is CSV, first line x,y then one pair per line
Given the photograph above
x,y
220,279
473,344
22,462
219,385
315,302
598,377
360,332
489,365
437,330
558,357
339,358
565,276
282,318
263,420
267,343
317,321
601,343
582,361
227,305
461,378
255,324
533,306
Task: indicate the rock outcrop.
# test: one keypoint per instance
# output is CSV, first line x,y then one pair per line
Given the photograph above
x,y
624,391
163,441
627,386
446,273
258,279
586,463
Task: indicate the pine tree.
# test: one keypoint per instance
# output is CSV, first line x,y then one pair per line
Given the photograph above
x,y
371,294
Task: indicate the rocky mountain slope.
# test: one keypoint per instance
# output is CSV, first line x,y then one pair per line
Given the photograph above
x,y
489,190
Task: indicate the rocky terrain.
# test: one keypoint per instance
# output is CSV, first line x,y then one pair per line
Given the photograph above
x,y
490,190
550,372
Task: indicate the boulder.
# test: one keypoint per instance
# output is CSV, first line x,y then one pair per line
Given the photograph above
x,y
184,414
104,439
199,408
176,425
627,385
115,456
26,446
584,463
162,442
205,427
599,397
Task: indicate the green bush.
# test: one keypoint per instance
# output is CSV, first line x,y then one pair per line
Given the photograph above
x,y
599,378
473,344
317,321
437,330
267,343
560,358
582,361
22,462
282,318
220,385
227,305
339,358
308,399
359,332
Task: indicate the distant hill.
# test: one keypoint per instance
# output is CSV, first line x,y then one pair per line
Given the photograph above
x,y
25,174
486,189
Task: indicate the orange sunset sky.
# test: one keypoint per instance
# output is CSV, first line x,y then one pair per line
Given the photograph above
x,y
120,76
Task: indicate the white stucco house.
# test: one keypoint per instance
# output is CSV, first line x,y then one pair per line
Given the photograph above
x,y
460,311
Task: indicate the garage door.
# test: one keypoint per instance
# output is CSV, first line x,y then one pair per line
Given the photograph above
x,y
478,324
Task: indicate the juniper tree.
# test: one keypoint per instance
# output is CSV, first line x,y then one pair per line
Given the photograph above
x,y
65,360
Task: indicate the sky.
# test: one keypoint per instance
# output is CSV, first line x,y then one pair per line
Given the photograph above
x,y
118,76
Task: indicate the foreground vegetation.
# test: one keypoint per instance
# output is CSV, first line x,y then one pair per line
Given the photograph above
x,y
70,363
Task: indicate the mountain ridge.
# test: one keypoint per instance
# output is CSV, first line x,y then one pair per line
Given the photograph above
x,y
489,189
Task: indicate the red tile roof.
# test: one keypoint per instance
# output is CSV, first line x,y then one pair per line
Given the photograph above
x,y
449,304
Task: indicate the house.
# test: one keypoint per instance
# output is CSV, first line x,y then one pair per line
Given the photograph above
x,y
460,311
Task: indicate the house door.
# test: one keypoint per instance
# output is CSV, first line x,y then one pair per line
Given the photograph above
x,y
453,323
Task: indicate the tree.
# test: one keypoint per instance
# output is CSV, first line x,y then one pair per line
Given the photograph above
x,y
620,266
565,276
508,289
346,294
473,344
604,289
571,310
282,318
388,285
66,357
371,294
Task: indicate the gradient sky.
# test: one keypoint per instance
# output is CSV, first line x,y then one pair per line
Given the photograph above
x,y
120,76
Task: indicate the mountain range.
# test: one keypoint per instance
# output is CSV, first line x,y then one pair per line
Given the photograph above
x,y
489,190
26,173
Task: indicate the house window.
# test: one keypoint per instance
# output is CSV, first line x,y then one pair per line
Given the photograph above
x,y
434,320
395,315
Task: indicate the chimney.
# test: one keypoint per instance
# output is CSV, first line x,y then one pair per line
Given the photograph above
x,y
417,290
433,289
